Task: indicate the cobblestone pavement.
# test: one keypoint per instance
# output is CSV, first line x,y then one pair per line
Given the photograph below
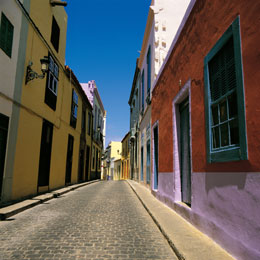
x,y
104,220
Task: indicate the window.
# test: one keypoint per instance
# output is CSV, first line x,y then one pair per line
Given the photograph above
x,y
53,76
52,84
55,34
142,163
224,99
95,118
83,123
6,35
143,91
74,109
148,61
89,123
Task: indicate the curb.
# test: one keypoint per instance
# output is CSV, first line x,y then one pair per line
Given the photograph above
x,y
173,247
16,208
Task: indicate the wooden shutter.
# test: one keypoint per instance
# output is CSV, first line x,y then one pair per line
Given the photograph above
x,y
222,71
6,35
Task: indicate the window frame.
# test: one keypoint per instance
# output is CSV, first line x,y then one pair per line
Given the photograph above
x,y
6,40
74,108
142,85
55,34
89,123
232,153
148,61
55,74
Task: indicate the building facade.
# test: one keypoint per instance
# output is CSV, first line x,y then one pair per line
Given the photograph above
x,y
45,103
163,21
12,54
86,129
99,128
125,157
205,127
117,170
111,158
134,125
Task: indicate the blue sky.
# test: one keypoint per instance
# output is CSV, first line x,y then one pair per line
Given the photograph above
x,y
103,40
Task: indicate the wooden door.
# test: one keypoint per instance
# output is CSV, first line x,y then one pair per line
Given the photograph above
x,y
185,152
45,154
69,159
155,170
4,120
148,162
87,163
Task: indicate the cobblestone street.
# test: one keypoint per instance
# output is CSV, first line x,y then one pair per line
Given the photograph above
x,y
104,220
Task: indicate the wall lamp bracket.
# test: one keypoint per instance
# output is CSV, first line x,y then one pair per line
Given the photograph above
x,y
31,74
58,2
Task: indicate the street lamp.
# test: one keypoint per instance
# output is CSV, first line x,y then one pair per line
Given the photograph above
x,y
30,74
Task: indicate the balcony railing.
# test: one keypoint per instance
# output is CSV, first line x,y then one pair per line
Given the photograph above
x,y
98,137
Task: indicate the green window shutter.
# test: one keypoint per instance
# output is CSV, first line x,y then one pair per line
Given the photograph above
x,y
3,31
6,35
9,39
224,99
222,71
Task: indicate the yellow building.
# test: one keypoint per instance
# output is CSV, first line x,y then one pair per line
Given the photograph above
x,y
112,154
99,128
125,158
117,170
50,148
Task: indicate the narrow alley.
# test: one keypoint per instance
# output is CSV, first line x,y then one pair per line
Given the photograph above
x,y
104,220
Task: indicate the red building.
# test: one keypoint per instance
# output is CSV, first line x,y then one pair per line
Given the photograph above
x,y
206,126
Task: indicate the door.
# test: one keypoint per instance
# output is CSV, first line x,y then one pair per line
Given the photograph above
x,y
87,163
148,162
142,163
185,152
4,120
69,159
155,170
81,164
45,154
97,159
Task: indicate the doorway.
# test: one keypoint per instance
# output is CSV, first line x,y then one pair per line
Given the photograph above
x,y
148,162
45,154
4,120
185,166
142,163
81,165
69,159
87,163
155,168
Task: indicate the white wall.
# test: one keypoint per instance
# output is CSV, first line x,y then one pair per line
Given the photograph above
x,y
7,64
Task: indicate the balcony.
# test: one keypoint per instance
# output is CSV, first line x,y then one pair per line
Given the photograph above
x,y
98,138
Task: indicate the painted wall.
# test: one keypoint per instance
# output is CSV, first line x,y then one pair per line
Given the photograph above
x,y
163,22
225,196
42,13
125,157
117,169
8,70
115,147
11,75
99,120
33,110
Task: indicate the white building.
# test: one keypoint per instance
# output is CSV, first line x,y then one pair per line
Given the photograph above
x,y
13,37
163,21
